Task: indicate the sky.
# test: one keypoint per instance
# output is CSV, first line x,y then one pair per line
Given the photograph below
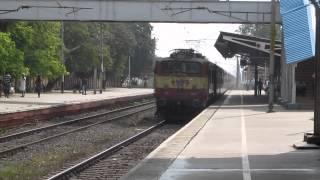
x,y
200,37
176,35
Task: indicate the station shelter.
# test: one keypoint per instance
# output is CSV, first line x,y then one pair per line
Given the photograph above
x,y
294,83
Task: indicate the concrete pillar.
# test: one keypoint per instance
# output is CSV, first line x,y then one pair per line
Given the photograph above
x,y
283,80
284,77
292,87
293,74
288,83
238,73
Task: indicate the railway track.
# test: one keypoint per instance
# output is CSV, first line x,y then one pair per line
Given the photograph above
x,y
114,162
11,150
102,155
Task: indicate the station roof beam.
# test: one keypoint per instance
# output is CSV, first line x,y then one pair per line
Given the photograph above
x,y
255,48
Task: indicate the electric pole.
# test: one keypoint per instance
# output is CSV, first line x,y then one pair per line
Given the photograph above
x,y
272,44
315,138
101,54
238,73
62,55
129,73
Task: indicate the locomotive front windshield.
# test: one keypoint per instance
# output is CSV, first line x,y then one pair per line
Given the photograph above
x,y
175,67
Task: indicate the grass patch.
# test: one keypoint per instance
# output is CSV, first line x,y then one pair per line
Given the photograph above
x,y
40,165
3,130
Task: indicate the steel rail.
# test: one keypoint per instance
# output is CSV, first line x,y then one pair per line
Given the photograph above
x,y
104,154
21,147
65,174
32,131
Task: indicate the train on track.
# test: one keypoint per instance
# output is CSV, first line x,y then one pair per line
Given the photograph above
x,y
186,82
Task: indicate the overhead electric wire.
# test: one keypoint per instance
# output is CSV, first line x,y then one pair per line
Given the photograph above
x,y
222,13
74,9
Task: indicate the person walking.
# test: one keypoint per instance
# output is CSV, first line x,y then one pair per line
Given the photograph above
x,y
260,86
38,84
6,84
23,85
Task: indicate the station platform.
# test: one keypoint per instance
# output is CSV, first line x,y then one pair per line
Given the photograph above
x,y
15,109
234,141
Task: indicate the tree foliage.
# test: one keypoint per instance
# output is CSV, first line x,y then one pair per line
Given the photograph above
x,y
144,50
11,58
120,40
40,42
259,30
35,48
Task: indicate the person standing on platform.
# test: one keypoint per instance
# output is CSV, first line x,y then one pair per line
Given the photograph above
x,y
7,84
145,78
80,86
23,85
38,84
84,86
260,86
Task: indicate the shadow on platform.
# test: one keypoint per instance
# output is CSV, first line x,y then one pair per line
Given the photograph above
x,y
294,165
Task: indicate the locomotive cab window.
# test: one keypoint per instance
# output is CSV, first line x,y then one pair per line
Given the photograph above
x,y
194,68
181,67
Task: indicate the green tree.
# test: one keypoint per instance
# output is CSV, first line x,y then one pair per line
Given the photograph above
x,y
40,42
120,40
259,30
122,43
11,58
82,42
144,50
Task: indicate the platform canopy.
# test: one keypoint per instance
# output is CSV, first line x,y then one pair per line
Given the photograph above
x,y
256,49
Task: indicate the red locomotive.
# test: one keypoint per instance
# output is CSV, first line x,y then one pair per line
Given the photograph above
x,y
186,81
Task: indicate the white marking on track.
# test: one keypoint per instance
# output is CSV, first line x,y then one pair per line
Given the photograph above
x,y
245,159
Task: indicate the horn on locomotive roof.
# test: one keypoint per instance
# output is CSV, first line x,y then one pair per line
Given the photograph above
x,y
185,53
